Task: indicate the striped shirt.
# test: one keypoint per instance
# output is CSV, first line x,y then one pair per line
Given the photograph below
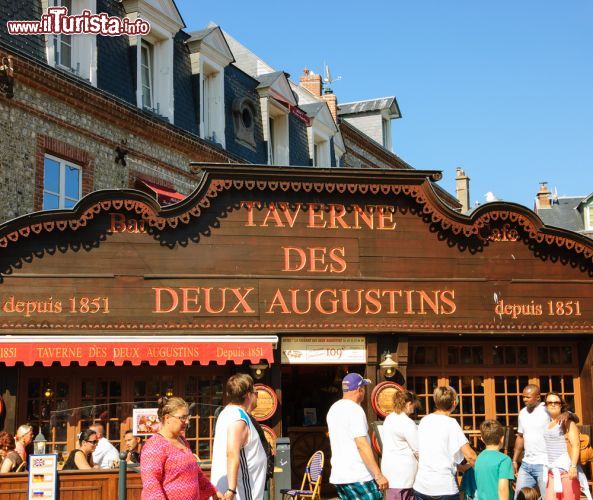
x,y
556,446
251,479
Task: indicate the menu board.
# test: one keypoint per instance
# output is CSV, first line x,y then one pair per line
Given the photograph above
x,y
43,476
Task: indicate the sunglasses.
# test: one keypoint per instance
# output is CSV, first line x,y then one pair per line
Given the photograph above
x,y
92,441
553,403
182,418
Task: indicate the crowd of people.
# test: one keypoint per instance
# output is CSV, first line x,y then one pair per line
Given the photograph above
x,y
422,462
419,461
93,450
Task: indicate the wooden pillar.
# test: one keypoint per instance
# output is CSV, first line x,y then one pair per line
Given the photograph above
x,y
372,368
585,348
402,359
276,384
8,390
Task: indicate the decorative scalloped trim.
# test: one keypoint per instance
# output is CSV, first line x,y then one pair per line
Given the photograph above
x,y
430,207
429,326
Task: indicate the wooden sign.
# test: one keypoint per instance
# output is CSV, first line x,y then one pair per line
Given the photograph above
x,y
255,250
382,397
270,436
267,402
323,350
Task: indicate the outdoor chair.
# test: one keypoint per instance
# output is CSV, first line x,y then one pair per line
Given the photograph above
x,y
311,480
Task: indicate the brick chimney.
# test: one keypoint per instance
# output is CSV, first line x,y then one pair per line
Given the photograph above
x,y
311,82
462,189
542,199
332,103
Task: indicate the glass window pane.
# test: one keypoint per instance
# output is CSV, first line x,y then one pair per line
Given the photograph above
x,y
72,182
69,203
51,175
50,201
66,51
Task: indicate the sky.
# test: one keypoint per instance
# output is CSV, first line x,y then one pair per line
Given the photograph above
x,y
500,88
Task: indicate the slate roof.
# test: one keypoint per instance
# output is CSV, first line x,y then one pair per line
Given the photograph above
x,y
31,45
195,36
313,108
268,79
564,214
369,105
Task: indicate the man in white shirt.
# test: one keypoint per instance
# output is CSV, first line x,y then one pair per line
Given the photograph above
x,y
533,420
239,461
355,473
105,454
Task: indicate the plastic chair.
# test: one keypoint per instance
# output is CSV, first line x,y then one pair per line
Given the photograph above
x,y
311,479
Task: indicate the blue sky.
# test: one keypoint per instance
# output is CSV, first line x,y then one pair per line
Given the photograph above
x,y
501,88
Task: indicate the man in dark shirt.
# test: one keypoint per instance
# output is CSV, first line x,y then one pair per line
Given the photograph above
x,y
133,445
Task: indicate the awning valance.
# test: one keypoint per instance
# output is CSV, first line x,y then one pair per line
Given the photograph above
x,y
83,350
164,195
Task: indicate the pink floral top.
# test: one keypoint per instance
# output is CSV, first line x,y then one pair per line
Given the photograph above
x,y
169,473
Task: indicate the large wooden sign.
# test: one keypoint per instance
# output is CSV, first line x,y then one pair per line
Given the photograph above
x,y
293,250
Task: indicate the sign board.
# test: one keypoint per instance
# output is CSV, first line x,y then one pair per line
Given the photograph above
x,y
43,477
323,350
267,402
382,397
145,421
255,250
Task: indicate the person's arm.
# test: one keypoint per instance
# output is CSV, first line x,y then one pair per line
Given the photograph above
x,y
411,436
7,465
519,444
366,453
503,489
152,471
469,454
237,435
81,462
574,449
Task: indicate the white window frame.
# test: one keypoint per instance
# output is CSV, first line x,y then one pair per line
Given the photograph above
x,y
589,216
278,136
62,193
147,86
212,115
83,48
321,151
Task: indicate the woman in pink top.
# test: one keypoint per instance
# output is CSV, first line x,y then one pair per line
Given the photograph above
x,y
168,467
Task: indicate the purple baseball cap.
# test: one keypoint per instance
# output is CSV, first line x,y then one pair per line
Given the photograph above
x,y
353,381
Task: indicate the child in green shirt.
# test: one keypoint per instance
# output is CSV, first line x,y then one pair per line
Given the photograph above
x,y
493,469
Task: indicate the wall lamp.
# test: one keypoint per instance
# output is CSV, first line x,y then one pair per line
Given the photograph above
x,y
388,366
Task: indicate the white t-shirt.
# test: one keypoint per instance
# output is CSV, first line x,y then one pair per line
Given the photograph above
x,y
251,477
400,449
439,442
345,421
105,454
532,426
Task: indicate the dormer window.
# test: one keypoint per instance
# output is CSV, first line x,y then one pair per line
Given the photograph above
x,y
75,54
322,129
146,62
209,55
589,219
154,54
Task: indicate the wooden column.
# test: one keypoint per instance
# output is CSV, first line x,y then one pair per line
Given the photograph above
x,y
402,358
373,360
585,349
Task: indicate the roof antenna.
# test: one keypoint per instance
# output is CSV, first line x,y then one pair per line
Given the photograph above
x,y
328,80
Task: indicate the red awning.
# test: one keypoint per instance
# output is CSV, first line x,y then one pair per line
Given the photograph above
x,y
164,195
83,350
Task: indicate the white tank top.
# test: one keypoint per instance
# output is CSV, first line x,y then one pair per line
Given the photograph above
x,y
251,478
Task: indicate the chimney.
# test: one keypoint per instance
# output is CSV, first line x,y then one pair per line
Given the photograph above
x,y
311,82
462,189
332,102
542,199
